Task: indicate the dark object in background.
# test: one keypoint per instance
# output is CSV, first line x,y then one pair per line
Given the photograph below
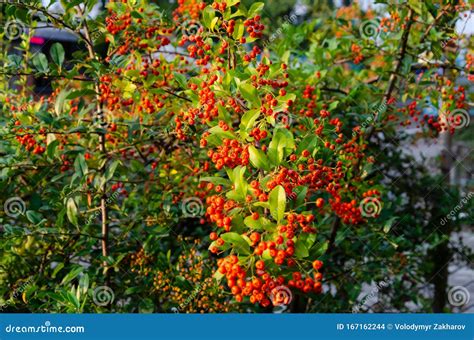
x,y
42,40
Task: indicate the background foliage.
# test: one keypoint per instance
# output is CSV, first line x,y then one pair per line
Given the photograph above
x,y
104,164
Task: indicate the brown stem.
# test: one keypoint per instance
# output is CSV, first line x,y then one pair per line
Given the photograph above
x,y
103,151
371,129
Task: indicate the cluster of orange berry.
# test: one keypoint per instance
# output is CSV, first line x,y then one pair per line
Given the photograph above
x,y
230,154
218,209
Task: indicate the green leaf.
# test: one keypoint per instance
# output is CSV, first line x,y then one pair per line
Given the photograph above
x,y
250,94
277,201
218,131
84,283
80,165
208,14
51,148
109,172
265,205
282,140
239,30
248,119
181,79
319,250
72,275
216,180
73,299
308,143
59,104
57,269
258,158
57,53
388,225
301,251
304,244
238,242
40,62
259,224
80,93
255,9
72,211
34,217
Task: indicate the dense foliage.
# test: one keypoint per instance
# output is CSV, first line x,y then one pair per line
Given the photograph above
x,y
218,146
